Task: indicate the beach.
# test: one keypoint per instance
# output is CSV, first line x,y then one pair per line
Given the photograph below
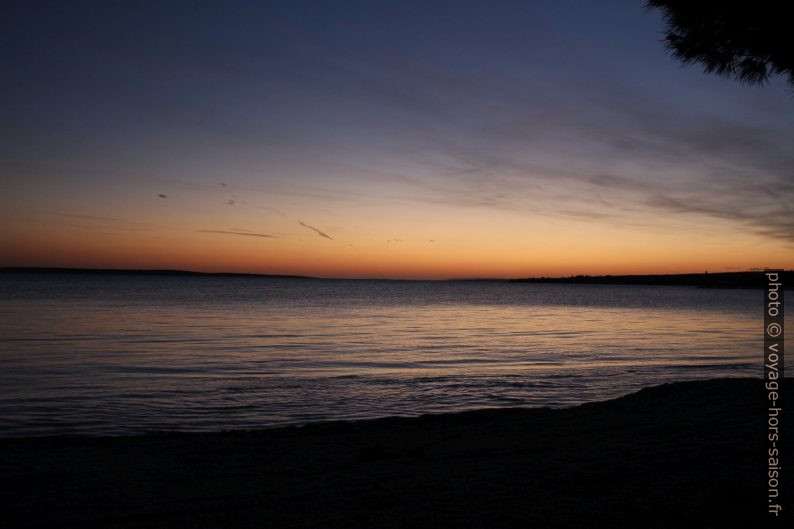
x,y
690,452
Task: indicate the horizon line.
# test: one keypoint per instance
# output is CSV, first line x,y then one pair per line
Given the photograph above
x,y
169,271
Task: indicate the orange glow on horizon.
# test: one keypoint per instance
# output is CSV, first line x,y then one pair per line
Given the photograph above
x,y
368,257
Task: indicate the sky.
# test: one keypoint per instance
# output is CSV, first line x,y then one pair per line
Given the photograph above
x,y
411,139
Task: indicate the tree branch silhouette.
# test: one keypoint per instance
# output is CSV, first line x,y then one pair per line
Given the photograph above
x,y
747,41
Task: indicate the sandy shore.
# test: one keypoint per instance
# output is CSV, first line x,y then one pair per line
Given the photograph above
x,y
690,454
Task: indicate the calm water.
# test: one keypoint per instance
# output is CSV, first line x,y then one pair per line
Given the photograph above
x,y
113,355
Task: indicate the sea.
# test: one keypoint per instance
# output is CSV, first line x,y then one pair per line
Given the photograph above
x,y
124,354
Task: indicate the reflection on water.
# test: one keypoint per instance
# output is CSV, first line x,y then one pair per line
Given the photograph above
x,y
110,355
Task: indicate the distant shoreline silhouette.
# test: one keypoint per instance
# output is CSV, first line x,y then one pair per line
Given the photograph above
x,y
136,272
746,279
751,279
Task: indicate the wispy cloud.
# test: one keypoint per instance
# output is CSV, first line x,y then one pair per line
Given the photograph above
x,y
315,230
94,222
625,159
242,233
87,217
769,218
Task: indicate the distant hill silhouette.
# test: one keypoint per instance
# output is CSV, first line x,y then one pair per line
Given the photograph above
x,y
705,280
755,279
132,272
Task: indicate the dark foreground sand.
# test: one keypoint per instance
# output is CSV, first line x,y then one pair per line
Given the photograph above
x,y
689,454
